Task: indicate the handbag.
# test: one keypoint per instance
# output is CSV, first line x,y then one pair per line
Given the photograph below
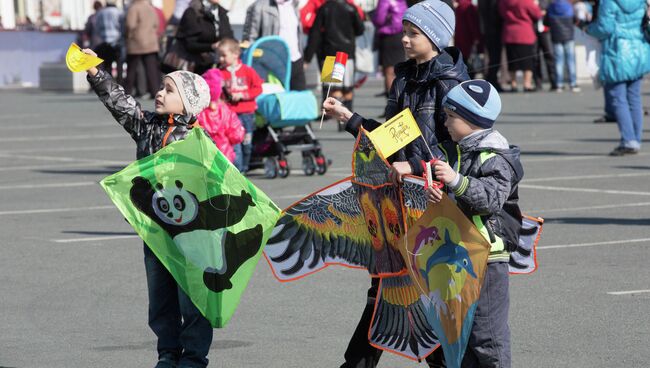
x,y
178,58
364,58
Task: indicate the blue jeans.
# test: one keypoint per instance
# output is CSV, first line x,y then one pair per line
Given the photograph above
x,y
184,334
244,150
626,101
565,54
610,112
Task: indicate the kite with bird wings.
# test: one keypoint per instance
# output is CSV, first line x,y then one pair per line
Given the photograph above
x,y
355,222
358,222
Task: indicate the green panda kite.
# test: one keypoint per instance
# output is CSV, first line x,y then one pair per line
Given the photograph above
x,y
199,228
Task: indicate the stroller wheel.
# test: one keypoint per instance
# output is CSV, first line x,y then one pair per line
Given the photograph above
x,y
283,169
309,164
321,164
271,167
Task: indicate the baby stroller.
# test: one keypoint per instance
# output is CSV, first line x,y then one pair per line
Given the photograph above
x,y
283,116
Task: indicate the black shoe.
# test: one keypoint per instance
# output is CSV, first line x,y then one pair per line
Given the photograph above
x,y
382,94
167,362
621,151
604,119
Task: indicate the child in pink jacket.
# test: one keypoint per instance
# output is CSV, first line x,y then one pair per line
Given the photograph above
x,y
221,123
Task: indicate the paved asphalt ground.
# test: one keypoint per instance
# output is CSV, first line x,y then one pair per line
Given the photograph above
x,y
72,283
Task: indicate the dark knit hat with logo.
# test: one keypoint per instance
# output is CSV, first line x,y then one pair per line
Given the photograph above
x,y
476,101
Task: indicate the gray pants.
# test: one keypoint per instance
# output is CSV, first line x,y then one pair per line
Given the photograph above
x,y
489,341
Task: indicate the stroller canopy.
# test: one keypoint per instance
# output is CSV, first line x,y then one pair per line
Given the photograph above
x,y
271,59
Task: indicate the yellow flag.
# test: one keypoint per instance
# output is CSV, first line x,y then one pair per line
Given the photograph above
x,y
328,68
395,133
78,61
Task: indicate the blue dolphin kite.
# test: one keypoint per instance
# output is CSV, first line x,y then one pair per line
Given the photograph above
x,y
452,254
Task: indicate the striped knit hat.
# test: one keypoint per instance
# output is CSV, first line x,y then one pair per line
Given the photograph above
x,y
476,101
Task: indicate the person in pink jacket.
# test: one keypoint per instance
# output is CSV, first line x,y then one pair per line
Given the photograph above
x,y
221,123
519,19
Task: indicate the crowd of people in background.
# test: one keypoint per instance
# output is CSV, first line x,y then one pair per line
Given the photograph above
x,y
537,38
423,73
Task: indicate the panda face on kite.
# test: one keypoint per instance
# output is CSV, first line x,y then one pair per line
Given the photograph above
x,y
174,205
198,229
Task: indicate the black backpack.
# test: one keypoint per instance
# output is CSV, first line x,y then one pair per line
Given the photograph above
x,y
510,216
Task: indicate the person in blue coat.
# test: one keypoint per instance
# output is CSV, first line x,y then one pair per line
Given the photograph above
x,y
625,59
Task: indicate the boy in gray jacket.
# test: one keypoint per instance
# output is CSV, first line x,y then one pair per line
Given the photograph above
x,y
482,173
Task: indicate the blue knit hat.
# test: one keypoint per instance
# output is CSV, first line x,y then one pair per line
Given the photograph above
x,y
476,101
435,18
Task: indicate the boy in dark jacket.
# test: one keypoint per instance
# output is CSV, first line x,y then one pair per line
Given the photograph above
x,y
336,28
421,83
560,18
184,334
482,175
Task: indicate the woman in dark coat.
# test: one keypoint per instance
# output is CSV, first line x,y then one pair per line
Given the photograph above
x,y
203,24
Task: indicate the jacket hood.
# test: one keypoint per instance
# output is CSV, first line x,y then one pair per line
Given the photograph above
x,y
447,65
560,8
214,78
630,6
493,140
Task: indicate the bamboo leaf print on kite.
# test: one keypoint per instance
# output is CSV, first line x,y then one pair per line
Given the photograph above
x,y
205,222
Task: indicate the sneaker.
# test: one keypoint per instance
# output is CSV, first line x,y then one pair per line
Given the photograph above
x,y
605,119
166,363
575,89
559,90
621,151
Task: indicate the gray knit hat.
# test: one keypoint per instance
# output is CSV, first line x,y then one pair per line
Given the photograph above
x,y
193,89
435,18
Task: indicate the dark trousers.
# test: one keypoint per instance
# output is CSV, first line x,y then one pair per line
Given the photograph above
x,y
184,334
544,50
360,354
151,68
110,53
489,341
493,46
297,76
